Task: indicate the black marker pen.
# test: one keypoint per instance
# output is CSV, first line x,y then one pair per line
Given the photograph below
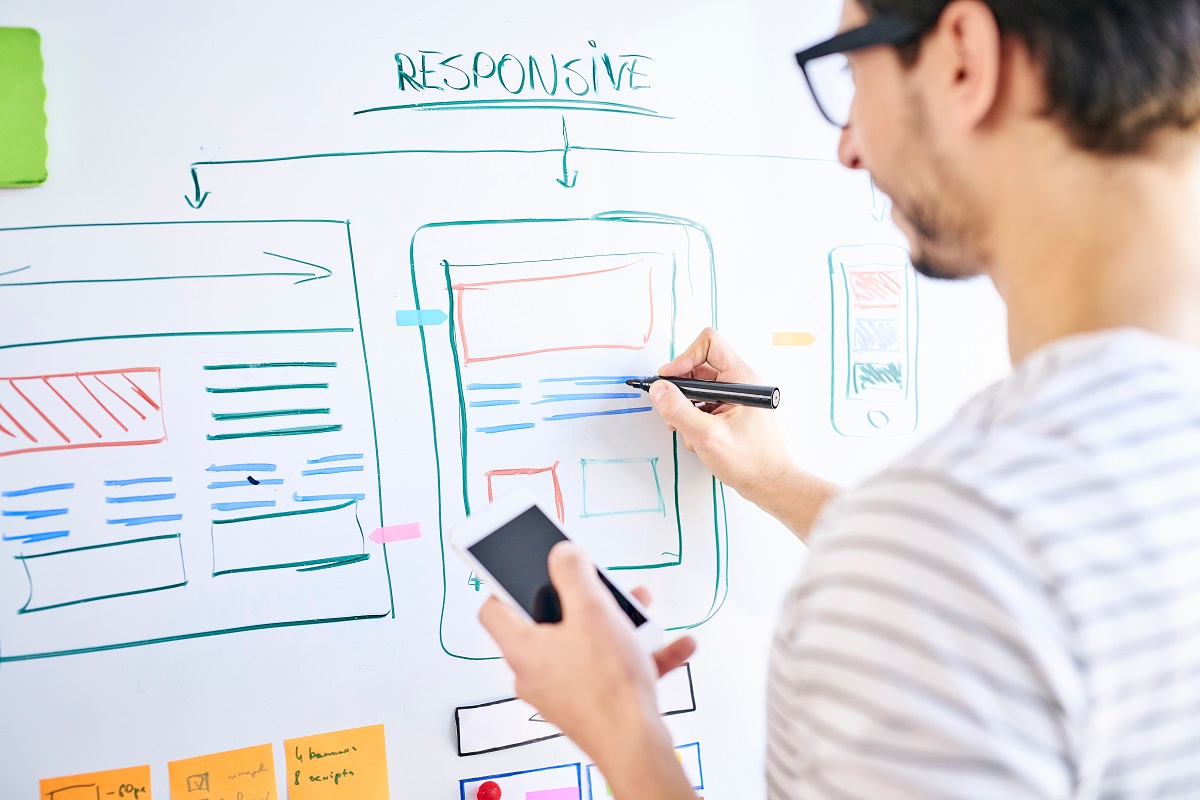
x,y
737,394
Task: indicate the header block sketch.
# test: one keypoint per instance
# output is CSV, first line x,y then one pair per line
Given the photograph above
x,y
171,466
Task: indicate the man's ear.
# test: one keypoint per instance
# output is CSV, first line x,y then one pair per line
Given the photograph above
x,y
965,51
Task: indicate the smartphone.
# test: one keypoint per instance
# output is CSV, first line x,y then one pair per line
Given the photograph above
x,y
509,543
874,390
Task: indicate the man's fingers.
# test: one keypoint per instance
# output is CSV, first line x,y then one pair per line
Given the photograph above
x,y
709,358
504,624
574,578
677,410
643,595
674,655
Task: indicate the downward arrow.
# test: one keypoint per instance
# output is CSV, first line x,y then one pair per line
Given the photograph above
x,y
200,198
565,181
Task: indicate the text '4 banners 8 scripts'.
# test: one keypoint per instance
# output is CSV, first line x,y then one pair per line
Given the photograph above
x,y
170,463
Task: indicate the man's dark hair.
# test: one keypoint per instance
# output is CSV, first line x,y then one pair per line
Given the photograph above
x,y
1117,71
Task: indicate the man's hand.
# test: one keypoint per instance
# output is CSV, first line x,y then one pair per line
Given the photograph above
x,y
740,445
588,676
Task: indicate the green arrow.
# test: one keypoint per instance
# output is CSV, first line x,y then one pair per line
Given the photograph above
x,y
325,272
565,181
200,198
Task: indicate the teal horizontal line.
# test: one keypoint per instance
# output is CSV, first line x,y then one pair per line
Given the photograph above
x,y
280,432
185,636
169,222
273,365
299,566
28,610
270,388
285,412
602,106
340,562
125,336
294,513
159,278
100,546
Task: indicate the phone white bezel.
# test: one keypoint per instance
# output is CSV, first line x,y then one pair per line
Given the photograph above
x,y
484,522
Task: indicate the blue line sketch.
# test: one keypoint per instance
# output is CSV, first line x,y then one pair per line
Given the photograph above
x,y
57,487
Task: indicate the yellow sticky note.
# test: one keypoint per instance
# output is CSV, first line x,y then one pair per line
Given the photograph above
x,y
130,783
248,773
792,339
350,764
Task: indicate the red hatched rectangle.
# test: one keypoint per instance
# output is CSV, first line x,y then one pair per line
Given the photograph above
x,y
875,288
68,411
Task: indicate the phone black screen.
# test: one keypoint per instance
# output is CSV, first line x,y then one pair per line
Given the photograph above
x,y
515,554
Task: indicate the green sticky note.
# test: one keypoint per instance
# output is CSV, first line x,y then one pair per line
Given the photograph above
x,y
22,108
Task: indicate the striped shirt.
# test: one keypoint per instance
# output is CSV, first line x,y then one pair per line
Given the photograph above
x,y
1013,611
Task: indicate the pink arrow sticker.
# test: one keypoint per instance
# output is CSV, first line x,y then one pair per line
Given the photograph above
x,y
397,533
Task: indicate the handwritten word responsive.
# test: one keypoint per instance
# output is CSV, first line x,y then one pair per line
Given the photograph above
x,y
547,76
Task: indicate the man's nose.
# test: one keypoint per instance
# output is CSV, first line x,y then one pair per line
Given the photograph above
x,y
848,152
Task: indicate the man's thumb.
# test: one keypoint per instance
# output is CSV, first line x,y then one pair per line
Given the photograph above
x,y
676,409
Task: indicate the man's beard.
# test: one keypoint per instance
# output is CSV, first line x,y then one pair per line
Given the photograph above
x,y
939,209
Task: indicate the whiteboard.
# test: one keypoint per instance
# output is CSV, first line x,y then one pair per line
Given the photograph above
x,y
293,301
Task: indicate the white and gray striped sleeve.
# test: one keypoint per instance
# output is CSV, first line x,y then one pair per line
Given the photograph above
x,y
922,655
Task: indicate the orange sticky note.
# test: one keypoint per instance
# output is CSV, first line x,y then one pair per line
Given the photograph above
x,y
350,764
130,782
248,773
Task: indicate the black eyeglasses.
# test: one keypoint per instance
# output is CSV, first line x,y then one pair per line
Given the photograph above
x,y
827,70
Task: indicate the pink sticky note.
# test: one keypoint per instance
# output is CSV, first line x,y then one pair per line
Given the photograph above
x,y
398,533
568,793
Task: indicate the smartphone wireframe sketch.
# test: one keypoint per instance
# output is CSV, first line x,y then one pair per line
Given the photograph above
x,y
509,542
874,293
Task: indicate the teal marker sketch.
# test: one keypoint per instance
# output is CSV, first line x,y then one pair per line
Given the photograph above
x,y
599,505
260,390
453,429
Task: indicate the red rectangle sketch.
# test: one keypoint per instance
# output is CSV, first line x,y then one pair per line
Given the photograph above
x,y
106,408
541,481
604,309
873,287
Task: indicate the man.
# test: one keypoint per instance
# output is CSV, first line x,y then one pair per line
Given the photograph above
x,y
1014,609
